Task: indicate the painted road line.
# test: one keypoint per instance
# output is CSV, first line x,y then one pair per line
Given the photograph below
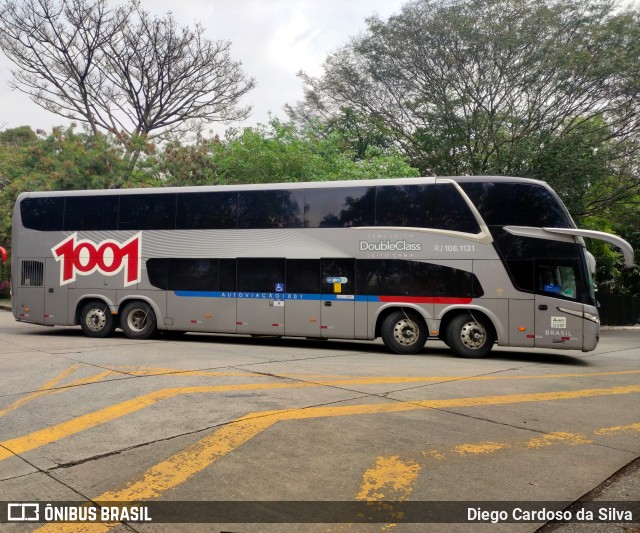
x,y
53,386
631,428
392,477
335,381
181,466
54,433
44,389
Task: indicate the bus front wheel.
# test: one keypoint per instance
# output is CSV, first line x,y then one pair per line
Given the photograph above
x,y
137,320
470,336
96,320
404,332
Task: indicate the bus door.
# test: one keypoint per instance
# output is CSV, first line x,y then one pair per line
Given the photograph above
x,y
56,296
558,311
303,303
338,298
261,296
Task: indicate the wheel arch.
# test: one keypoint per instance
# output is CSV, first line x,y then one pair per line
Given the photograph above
x,y
385,311
85,298
450,313
156,309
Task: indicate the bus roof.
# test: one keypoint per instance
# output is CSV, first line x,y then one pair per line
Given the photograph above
x,y
287,185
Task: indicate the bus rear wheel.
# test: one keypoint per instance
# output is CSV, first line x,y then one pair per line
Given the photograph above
x,y
137,320
470,336
96,320
404,332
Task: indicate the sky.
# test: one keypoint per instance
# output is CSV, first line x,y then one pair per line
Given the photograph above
x,y
274,40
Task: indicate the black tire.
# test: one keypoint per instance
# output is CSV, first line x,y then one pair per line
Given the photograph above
x,y
96,319
137,320
404,332
471,336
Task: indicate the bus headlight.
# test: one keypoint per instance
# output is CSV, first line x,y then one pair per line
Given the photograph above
x,y
587,316
593,318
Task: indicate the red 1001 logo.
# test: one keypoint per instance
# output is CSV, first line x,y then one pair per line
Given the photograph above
x,y
83,257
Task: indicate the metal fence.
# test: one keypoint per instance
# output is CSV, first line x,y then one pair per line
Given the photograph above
x,y
618,310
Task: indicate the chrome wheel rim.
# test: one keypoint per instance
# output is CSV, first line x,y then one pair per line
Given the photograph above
x,y
473,335
405,332
96,320
137,320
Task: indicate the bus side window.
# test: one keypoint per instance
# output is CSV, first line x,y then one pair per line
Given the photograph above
x,y
147,211
207,210
42,214
339,207
438,206
91,213
270,209
303,276
557,280
261,274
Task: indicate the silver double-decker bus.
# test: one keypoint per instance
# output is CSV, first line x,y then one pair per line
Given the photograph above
x,y
471,261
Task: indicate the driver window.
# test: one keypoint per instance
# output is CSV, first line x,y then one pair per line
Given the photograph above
x,y
557,280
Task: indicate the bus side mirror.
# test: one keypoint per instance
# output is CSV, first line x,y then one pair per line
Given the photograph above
x,y
591,262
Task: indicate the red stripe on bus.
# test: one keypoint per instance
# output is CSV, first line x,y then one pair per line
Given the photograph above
x,y
424,300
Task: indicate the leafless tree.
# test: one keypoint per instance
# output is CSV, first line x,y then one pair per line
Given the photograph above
x,y
121,70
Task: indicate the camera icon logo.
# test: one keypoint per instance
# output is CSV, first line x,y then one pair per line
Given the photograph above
x,y
23,512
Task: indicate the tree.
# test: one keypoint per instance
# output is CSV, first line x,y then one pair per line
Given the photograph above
x,y
463,85
63,160
277,152
120,70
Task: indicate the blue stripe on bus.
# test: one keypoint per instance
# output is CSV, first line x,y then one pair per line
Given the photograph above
x,y
287,296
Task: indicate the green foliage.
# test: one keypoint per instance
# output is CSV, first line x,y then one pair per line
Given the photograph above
x,y
64,160
18,136
278,152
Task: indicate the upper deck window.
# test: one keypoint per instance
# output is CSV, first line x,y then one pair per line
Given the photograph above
x,y
438,206
340,207
207,210
517,204
87,213
270,209
43,214
147,211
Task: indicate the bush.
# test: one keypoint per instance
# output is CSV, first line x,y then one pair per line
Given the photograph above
x,y
5,288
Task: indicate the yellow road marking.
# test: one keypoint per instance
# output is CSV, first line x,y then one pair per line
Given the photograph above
x,y
563,438
181,466
388,469
335,381
151,371
631,428
44,389
390,478
54,433
481,447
